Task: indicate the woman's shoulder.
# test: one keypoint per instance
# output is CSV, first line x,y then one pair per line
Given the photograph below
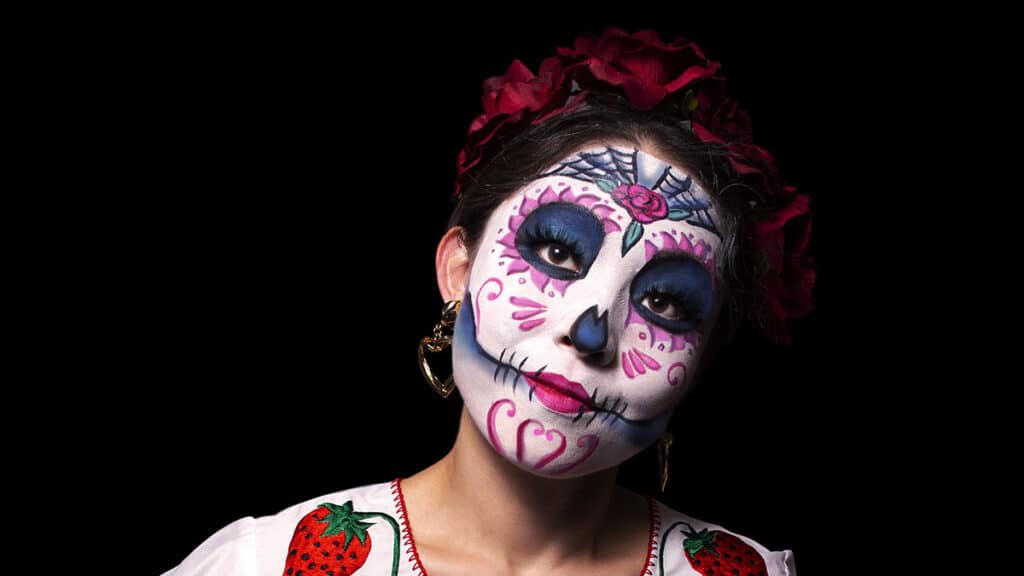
x,y
682,544
264,545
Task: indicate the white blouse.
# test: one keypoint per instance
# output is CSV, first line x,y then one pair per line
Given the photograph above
x,y
365,532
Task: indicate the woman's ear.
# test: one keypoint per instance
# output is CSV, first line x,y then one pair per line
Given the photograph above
x,y
452,263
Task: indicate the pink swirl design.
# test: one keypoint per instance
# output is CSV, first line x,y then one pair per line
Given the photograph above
x,y
540,431
491,296
674,376
492,430
588,441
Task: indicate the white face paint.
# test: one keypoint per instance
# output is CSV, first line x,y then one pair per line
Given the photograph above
x,y
585,309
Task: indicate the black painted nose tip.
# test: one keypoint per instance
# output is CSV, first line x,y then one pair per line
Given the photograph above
x,y
589,333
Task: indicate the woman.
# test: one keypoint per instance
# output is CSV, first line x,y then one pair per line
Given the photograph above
x,y
614,223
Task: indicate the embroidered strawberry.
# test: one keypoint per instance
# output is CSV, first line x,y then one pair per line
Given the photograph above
x,y
332,541
716,553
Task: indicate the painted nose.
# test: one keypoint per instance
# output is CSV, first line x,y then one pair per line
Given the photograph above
x,y
589,333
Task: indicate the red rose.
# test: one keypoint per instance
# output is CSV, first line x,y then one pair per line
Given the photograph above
x,y
511,102
718,116
788,275
642,204
646,68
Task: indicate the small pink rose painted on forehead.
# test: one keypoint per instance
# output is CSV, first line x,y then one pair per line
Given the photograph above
x,y
649,189
643,205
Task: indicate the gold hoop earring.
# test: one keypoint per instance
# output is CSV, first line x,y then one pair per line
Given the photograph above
x,y
437,342
664,445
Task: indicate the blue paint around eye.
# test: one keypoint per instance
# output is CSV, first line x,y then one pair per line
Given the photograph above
x,y
678,276
569,224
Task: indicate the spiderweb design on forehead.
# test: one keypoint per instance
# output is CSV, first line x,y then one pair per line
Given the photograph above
x,y
620,168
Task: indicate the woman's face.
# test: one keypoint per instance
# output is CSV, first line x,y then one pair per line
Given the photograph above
x,y
585,310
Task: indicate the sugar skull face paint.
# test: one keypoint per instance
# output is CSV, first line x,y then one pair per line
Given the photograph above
x,y
585,309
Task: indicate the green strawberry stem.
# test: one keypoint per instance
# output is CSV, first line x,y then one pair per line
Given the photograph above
x,y
346,519
696,542
398,543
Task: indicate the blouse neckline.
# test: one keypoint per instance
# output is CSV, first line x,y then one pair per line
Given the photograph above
x,y
409,543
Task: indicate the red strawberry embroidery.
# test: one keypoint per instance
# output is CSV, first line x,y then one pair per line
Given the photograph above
x,y
332,541
717,553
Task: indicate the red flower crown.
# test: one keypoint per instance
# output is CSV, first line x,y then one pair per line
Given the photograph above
x,y
647,70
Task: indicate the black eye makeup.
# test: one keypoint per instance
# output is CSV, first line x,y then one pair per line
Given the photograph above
x,y
673,291
560,239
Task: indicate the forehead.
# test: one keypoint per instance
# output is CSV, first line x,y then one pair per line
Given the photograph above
x,y
646,202
619,162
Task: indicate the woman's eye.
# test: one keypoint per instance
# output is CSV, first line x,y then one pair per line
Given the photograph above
x,y
558,254
663,305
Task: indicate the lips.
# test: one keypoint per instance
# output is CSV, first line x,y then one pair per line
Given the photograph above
x,y
559,393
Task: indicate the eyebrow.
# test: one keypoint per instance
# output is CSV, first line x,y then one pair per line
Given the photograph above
x,y
653,252
581,193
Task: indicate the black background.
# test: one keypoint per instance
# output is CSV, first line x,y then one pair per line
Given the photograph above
x,y
271,270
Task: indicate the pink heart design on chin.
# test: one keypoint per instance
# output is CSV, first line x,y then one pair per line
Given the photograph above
x,y
538,445
589,443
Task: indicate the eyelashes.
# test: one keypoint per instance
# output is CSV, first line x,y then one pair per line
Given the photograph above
x,y
561,240
673,305
674,292
557,249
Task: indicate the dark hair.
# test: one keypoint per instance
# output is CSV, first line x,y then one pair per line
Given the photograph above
x,y
608,116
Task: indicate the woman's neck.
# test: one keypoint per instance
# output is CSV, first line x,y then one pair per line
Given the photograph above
x,y
475,500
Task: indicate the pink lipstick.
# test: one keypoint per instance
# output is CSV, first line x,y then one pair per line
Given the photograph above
x,y
559,393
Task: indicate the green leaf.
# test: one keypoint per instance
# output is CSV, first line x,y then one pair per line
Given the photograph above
x,y
348,539
692,546
691,101
362,515
605,184
634,232
345,519
677,215
700,541
360,531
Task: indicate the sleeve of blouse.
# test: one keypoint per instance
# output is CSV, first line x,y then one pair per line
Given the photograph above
x,y
229,552
675,528
778,563
783,563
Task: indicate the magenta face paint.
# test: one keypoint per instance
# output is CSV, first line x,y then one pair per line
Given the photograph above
x,y
588,299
